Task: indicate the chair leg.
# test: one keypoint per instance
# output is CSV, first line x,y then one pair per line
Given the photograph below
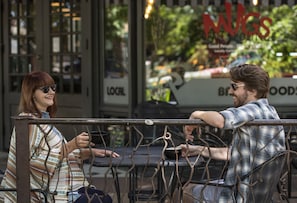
x,y
290,181
181,194
281,187
117,184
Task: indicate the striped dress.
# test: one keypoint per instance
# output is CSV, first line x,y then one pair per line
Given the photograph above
x,y
49,170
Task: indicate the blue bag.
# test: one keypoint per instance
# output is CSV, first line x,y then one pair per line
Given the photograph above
x,y
92,195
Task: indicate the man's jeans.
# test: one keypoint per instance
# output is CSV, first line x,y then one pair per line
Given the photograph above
x,y
207,193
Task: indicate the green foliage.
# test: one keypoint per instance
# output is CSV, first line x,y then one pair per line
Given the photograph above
x,y
116,18
171,31
275,50
177,34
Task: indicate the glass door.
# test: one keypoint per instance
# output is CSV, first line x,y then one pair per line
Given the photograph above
x,y
21,54
42,35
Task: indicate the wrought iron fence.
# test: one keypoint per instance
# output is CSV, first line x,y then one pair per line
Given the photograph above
x,y
146,167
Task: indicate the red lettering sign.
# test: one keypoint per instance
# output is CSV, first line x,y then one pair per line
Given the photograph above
x,y
241,22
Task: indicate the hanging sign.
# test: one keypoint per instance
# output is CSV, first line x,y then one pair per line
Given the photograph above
x,y
259,26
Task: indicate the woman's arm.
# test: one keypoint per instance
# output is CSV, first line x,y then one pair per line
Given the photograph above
x,y
89,152
82,143
45,155
79,142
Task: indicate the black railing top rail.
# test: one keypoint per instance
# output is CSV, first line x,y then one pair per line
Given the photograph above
x,y
114,121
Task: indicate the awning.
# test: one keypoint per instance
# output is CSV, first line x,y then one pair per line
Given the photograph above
x,y
195,3
221,2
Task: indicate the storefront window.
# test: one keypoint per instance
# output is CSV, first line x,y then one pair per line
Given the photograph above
x,y
191,48
116,54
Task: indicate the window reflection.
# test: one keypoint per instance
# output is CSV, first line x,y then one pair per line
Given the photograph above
x,y
190,37
116,41
22,41
115,83
65,45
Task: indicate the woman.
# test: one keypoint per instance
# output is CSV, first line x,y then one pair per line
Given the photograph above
x,y
54,162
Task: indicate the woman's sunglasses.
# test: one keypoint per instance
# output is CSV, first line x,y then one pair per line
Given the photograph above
x,y
235,86
46,89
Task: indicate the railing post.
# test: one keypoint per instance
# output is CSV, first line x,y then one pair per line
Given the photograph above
x,y
22,160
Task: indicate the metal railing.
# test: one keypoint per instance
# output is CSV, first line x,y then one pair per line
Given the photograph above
x,y
132,126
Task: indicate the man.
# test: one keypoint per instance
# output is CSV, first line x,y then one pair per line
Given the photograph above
x,y
251,145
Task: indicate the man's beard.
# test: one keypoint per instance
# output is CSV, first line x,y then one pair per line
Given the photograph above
x,y
240,100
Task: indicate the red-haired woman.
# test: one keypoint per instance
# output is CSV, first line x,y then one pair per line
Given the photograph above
x,y
54,162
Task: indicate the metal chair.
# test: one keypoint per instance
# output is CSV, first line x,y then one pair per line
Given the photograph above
x,y
154,109
263,180
293,165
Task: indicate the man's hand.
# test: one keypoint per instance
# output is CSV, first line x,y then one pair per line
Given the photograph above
x,y
188,131
190,150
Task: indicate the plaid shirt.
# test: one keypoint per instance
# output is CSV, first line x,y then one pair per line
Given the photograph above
x,y
49,171
251,145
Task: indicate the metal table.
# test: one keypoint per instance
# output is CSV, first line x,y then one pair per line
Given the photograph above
x,y
144,156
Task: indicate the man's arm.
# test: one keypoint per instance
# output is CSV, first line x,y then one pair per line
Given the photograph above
x,y
213,118
218,153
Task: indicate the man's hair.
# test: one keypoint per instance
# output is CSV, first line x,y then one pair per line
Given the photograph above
x,y
31,82
254,77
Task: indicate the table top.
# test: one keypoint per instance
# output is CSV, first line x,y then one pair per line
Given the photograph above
x,y
144,156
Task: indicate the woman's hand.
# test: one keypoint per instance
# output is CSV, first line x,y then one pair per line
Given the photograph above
x,y
91,152
79,142
83,141
105,152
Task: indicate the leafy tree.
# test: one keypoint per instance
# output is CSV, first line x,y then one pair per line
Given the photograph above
x,y
177,34
172,32
275,50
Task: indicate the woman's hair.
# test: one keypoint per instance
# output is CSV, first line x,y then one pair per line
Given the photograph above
x,y
31,82
254,78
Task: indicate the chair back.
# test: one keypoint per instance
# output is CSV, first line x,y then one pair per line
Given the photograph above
x,y
154,109
264,179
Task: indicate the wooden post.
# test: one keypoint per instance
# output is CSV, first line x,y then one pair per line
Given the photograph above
x,y
22,160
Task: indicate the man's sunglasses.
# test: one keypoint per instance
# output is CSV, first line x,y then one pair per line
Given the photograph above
x,y
46,89
235,86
